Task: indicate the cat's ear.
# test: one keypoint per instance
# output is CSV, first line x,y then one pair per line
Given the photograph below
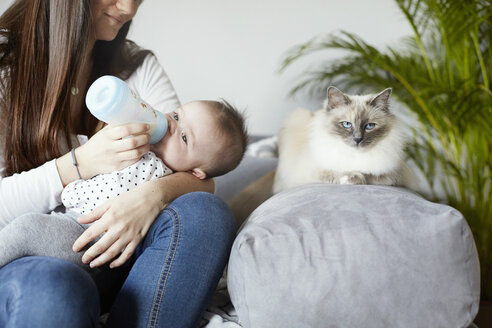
x,y
381,100
335,98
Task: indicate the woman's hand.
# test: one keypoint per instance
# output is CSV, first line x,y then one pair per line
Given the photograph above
x,y
124,220
113,148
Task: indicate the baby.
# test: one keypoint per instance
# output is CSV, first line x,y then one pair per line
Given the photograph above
x,y
205,138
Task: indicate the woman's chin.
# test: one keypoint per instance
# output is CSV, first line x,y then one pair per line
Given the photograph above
x,y
107,35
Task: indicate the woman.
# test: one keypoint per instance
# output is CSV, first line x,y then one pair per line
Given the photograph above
x,y
165,251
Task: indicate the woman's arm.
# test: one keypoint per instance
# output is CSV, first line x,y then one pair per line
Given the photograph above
x,y
126,219
110,149
37,190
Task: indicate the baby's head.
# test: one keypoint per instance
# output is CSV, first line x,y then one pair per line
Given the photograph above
x,y
207,138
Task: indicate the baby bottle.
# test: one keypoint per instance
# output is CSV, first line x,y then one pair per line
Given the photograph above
x,y
112,101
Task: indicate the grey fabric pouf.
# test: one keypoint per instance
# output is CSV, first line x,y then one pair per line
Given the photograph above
x,y
325,255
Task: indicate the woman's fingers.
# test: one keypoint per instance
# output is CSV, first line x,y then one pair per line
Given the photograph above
x,y
120,131
89,235
93,231
100,247
133,154
125,255
132,142
94,215
106,150
113,251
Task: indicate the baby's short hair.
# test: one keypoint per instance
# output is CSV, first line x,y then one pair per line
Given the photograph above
x,y
231,126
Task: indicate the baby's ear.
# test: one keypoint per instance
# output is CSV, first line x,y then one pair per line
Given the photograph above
x,y
199,173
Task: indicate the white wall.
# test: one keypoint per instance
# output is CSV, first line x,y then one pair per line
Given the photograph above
x,y
233,49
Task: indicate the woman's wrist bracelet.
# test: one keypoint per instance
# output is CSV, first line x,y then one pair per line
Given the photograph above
x,y
75,163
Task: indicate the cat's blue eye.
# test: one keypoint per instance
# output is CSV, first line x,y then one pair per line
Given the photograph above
x,y
370,126
346,124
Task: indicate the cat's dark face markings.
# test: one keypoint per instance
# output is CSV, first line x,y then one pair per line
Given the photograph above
x,y
355,127
358,121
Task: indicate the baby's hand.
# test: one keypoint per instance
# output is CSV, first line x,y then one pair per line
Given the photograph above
x,y
113,148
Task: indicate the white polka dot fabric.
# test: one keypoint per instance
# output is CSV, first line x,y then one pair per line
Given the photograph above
x,y
83,196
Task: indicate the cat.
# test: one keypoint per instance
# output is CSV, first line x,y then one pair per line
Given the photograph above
x,y
352,140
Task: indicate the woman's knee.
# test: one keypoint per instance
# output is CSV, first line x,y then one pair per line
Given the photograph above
x,y
193,220
65,279
49,292
205,211
199,218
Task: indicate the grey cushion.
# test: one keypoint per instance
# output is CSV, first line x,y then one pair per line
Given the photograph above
x,y
354,256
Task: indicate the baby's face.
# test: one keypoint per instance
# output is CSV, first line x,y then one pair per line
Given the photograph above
x,y
191,139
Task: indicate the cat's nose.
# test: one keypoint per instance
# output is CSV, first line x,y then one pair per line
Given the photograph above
x,y
357,140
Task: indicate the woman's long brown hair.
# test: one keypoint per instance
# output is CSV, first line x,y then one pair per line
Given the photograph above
x,y
43,48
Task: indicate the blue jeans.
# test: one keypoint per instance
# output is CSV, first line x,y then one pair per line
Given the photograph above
x,y
175,271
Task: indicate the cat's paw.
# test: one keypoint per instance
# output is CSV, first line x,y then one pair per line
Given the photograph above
x,y
344,180
353,178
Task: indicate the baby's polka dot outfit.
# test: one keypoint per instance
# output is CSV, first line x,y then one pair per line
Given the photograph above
x,y
83,196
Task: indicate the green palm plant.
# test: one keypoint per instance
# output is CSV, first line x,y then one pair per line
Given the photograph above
x,y
443,75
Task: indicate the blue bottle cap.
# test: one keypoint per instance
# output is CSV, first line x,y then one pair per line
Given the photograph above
x,y
106,96
160,130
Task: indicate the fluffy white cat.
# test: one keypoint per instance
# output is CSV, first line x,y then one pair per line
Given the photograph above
x,y
352,140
